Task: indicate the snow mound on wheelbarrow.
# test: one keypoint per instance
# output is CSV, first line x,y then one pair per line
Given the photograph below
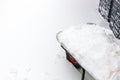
x,y
95,48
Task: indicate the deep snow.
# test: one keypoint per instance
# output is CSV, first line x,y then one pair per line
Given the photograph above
x,y
28,47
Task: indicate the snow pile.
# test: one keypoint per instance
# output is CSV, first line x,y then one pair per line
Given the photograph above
x,y
95,48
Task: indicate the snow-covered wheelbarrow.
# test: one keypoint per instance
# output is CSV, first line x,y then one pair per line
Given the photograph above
x,y
93,49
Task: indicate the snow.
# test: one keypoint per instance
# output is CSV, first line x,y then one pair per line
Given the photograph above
x,y
95,48
28,46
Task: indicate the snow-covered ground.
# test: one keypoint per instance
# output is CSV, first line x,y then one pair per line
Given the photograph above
x,y
28,46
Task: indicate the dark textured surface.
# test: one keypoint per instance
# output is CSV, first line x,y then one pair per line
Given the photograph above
x,y
110,10
104,8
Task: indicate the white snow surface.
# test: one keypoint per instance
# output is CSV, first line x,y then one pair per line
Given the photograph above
x,y
95,48
28,46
